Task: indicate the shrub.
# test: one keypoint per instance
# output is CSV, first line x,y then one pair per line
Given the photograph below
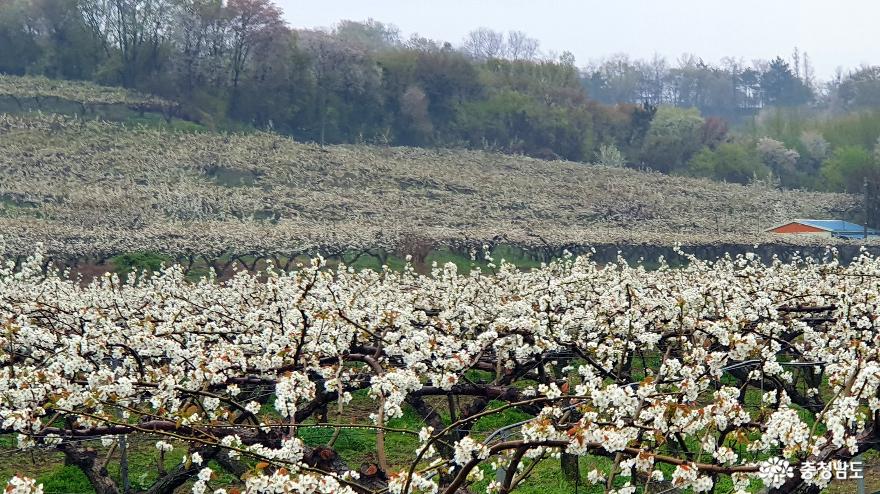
x,y
848,167
674,136
729,161
609,155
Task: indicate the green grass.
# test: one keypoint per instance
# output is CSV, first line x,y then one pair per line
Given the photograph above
x,y
496,421
356,446
142,460
547,478
65,479
157,120
151,261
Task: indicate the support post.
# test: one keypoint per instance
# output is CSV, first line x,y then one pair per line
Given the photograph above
x,y
860,460
865,205
501,472
123,465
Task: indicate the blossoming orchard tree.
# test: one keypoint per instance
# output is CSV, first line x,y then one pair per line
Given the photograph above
x,y
680,378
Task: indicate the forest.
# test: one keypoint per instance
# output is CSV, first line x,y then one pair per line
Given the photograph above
x,y
239,65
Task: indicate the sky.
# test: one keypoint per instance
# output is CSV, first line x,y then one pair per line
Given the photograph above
x,y
835,33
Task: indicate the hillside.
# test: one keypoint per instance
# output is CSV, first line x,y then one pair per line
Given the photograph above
x,y
85,93
26,94
88,187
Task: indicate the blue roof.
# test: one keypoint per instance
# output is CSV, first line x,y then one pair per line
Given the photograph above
x,y
836,226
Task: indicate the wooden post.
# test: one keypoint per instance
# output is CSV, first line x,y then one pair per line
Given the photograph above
x,y
570,467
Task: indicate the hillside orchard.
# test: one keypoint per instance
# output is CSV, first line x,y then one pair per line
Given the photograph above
x,y
41,93
690,377
86,188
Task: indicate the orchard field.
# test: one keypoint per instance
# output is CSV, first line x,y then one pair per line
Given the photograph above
x,y
612,376
239,346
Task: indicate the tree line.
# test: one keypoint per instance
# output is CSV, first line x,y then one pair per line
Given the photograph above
x,y
238,64
732,89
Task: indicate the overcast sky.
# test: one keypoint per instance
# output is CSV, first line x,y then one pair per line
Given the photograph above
x,y
835,33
